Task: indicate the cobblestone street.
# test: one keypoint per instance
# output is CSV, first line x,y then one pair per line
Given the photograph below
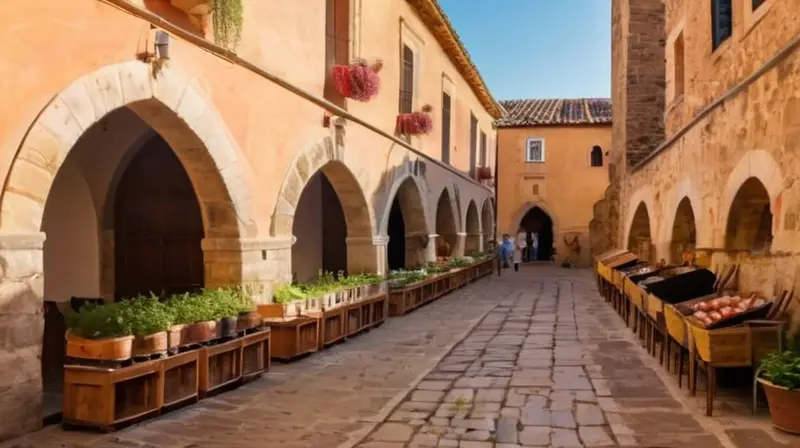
x,y
534,358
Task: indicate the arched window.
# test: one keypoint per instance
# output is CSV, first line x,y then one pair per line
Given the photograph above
x,y
597,156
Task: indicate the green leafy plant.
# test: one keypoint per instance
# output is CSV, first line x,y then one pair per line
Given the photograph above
x,y
100,321
782,368
460,262
146,315
401,278
191,308
228,19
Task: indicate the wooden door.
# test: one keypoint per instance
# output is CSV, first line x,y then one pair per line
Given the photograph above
x,y
158,226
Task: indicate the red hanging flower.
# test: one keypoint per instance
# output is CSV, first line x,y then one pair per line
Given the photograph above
x,y
359,80
484,173
415,123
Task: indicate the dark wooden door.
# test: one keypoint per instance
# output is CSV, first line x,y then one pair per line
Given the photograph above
x,y
158,226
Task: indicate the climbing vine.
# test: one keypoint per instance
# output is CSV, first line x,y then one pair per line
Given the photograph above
x,y
228,17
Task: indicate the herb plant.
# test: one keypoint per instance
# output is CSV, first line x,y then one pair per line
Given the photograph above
x,y
782,369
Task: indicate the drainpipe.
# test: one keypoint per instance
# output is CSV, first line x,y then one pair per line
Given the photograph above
x,y
496,178
233,58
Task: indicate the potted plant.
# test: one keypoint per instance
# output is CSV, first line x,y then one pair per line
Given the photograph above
x,y
358,80
248,316
227,303
149,320
779,374
98,332
195,312
415,123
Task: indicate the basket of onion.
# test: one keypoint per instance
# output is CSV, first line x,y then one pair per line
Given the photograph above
x,y
727,310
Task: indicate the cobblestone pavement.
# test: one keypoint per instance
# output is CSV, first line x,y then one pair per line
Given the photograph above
x,y
534,358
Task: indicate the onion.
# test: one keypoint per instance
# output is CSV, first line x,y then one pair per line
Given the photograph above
x,y
700,315
727,311
724,301
707,321
736,299
715,316
702,306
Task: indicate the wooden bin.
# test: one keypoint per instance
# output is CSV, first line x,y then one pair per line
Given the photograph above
x,y
181,378
332,326
103,397
403,300
676,325
291,338
255,354
220,366
723,347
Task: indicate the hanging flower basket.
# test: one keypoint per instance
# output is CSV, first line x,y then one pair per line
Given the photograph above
x,y
359,80
415,123
484,173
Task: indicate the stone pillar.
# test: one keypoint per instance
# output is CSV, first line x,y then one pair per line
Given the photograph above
x,y
473,243
430,251
481,242
415,249
461,243
21,330
366,254
257,263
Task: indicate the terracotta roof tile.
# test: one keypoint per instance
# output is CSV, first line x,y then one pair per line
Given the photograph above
x,y
530,112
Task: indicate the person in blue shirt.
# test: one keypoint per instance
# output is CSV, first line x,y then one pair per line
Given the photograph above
x,y
506,250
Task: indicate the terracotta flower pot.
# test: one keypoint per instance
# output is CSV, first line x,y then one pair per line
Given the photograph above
x,y
199,332
152,343
784,406
226,327
174,336
249,320
108,349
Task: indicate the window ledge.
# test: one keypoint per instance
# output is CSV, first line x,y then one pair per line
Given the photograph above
x,y
752,18
675,103
716,54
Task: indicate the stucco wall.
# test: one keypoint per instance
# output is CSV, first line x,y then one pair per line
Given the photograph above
x,y
567,184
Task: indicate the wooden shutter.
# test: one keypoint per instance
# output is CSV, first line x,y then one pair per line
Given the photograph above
x,y
337,44
483,148
473,144
445,127
721,21
407,81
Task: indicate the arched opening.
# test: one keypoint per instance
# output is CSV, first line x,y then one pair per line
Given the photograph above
x,y
684,231
597,156
487,222
538,226
639,239
406,227
749,224
445,226
473,241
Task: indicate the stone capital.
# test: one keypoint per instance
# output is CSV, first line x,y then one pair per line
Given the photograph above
x,y
375,240
22,241
461,233
247,244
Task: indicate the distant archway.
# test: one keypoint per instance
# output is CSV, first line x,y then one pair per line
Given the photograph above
x,y
473,228
749,225
445,226
538,227
684,231
406,227
487,221
639,237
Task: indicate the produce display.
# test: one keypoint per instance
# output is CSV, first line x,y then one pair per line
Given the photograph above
x,y
711,311
641,271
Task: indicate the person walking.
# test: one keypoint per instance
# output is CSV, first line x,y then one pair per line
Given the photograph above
x,y
535,244
506,250
520,246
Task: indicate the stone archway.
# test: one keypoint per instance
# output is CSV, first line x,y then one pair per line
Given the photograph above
x,y
684,231
405,223
639,235
472,226
175,108
446,227
749,225
487,221
326,160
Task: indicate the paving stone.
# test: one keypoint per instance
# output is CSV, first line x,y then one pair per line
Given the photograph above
x,y
506,430
430,396
490,395
433,385
535,417
562,419
510,413
474,444
424,441
445,443
419,406
460,396
594,436
589,415
477,424
535,436
565,438
393,432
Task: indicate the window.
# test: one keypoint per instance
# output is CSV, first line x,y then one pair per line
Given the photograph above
x,y
597,156
407,81
473,143
757,3
337,44
534,150
536,189
445,127
483,148
678,69
721,22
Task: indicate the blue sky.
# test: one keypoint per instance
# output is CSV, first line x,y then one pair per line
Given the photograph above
x,y
537,48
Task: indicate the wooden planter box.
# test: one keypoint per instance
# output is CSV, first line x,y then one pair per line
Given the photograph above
x,y
353,318
103,398
255,354
295,337
220,365
332,326
403,300
181,378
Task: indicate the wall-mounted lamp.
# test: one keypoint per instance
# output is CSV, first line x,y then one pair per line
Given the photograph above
x,y
162,44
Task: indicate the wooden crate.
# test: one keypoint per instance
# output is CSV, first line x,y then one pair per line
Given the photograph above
x,y
291,338
181,378
380,309
353,318
724,347
676,325
332,326
102,397
220,366
655,306
403,300
255,354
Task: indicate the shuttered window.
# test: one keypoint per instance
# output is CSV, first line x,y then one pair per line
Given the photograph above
x,y
757,3
721,22
407,81
337,44
445,127
473,143
483,148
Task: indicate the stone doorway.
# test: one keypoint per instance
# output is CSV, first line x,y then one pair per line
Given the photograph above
x,y
406,227
749,225
473,228
639,237
396,251
446,229
539,222
684,231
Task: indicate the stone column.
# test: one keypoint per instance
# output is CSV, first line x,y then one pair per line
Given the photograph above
x,y
481,242
415,249
21,330
256,262
366,254
461,243
430,251
473,242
